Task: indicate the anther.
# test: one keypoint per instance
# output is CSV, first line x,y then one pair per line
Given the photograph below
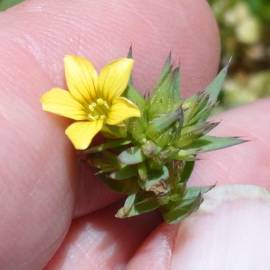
x,y
92,106
91,117
100,101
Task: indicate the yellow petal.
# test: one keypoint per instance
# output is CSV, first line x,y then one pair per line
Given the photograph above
x,y
61,102
82,133
114,77
121,110
81,77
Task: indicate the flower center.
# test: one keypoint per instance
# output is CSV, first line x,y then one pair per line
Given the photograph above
x,y
98,109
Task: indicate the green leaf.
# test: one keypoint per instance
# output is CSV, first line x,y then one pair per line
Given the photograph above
x,y
167,68
128,186
202,115
136,128
108,145
186,171
133,95
166,95
190,134
156,180
193,192
178,212
161,123
124,173
216,85
186,155
132,155
212,143
114,132
190,202
137,204
5,4
105,162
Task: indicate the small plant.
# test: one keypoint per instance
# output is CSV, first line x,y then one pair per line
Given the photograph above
x,y
150,143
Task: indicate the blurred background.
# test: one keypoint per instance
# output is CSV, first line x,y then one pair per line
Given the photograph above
x,y
245,34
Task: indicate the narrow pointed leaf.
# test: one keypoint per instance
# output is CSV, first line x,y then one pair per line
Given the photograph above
x,y
190,202
124,173
189,135
212,143
138,204
133,95
187,171
108,145
164,121
216,86
137,127
166,97
183,209
156,180
167,67
129,186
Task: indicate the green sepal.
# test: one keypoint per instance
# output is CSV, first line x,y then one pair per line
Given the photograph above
x,y
177,211
114,132
206,144
194,105
124,173
137,204
186,171
104,162
200,105
166,95
167,68
136,129
212,143
169,123
133,95
216,85
164,121
128,186
150,149
155,180
108,145
132,155
202,115
186,155
191,134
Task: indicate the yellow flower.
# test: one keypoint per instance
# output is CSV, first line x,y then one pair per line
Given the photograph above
x,y
93,100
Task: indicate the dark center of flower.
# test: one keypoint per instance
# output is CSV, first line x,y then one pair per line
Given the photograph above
x,y
98,109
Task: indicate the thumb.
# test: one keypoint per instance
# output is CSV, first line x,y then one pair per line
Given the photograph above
x,y
230,231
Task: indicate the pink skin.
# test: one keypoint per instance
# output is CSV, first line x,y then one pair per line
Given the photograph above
x,y
41,188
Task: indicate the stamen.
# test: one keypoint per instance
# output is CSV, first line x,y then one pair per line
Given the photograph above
x,y
92,106
91,117
98,109
100,101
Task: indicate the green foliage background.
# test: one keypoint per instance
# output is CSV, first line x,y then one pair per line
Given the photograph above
x,y
4,4
245,32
